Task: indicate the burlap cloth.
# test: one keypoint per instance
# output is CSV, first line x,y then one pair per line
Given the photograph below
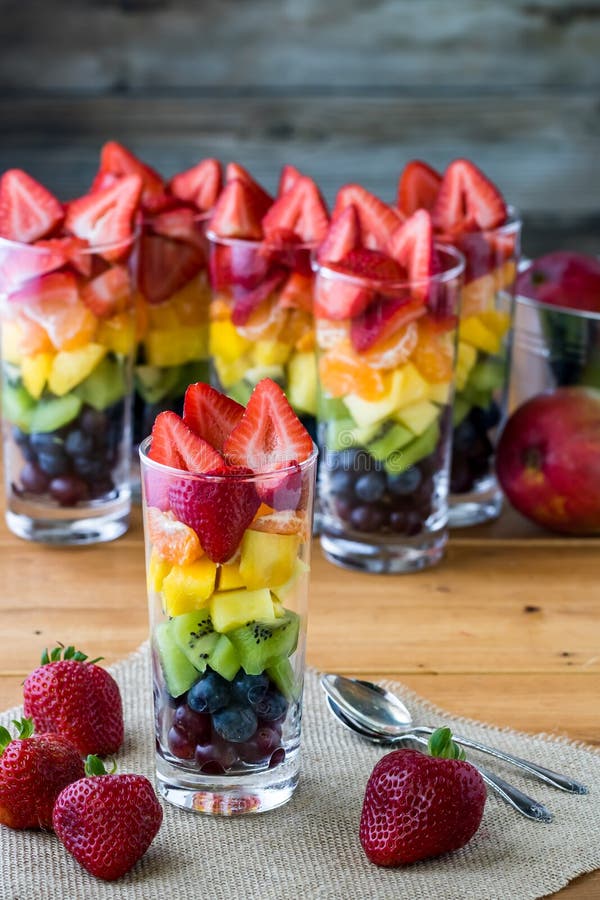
x,y
309,849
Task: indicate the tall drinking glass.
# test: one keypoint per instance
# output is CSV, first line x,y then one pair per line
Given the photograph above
x,y
68,336
228,638
385,417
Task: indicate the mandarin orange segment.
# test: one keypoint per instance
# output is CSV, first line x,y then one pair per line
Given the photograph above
x,y
33,338
266,322
434,354
395,350
342,372
68,326
172,540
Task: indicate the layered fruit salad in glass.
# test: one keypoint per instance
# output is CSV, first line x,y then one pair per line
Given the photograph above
x,y
67,339
469,212
385,310
261,314
227,518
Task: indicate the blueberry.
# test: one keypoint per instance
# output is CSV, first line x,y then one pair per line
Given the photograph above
x,y
209,694
464,437
272,706
237,723
78,443
352,460
405,483
341,481
249,689
54,462
91,469
93,422
367,517
370,487
22,441
45,442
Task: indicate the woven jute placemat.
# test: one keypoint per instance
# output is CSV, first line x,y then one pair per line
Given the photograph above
x,y
309,849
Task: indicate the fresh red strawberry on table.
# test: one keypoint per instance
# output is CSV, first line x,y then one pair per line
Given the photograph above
x,y
116,161
107,821
27,210
73,697
418,187
467,200
418,805
200,185
411,244
106,216
342,236
287,179
300,210
34,768
210,414
237,213
377,219
262,200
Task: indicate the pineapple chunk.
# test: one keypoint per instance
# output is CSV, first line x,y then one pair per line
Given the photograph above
x,y
267,558
186,588
226,342
158,569
230,578
232,609
417,416
302,382
176,346
35,371
230,372
70,367
407,385
439,392
270,353
118,333
497,321
162,317
283,592
465,360
474,332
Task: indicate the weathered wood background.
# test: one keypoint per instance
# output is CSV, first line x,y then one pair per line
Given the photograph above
x,y
345,89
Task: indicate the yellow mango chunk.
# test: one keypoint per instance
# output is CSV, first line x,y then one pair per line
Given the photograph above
x,y
70,367
176,346
118,333
231,609
11,342
466,356
186,588
226,342
158,569
417,417
229,373
497,321
35,371
230,578
267,558
270,353
191,303
162,317
474,332
439,392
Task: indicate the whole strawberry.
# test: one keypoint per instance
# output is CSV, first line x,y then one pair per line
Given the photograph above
x,y
33,771
72,696
107,821
417,805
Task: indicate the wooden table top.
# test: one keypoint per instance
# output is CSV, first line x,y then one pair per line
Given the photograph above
x,y
504,630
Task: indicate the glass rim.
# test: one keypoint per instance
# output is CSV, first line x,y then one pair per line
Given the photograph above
x,y
524,300
257,242
147,218
446,275
99,249
216,479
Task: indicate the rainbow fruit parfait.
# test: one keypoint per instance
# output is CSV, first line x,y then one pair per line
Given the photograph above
x,y
228,496
67,313
386,318
174,296
263,285
469,212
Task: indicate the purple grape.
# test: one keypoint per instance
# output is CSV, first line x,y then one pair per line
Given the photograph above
x,y
196,725
277,758
180,744
33,479
215,758
262,744
370,487
368,517
343,508
68,490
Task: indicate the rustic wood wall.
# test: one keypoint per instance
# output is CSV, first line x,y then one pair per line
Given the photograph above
x,y
345,89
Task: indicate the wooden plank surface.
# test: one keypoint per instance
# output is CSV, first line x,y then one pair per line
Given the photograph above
x,y
505,630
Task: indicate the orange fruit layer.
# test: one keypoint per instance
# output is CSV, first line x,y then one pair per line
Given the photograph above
x,y
171,539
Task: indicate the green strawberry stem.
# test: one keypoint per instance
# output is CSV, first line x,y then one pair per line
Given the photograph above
x,y
62,652
95,766
441,745
24,730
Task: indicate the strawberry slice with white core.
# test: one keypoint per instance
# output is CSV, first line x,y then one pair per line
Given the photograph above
x,y
174,444
411,245
210,414
106,217
297,292
27,210
288,178
262,199
377,219
108,293
418,187
342,236
237,213
467,200
73,250
301,210
116,161
341,298
166,265
245,302
181,224
382,319
200,185
269,435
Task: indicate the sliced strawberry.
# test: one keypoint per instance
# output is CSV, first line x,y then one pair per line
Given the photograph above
x,y
49,288
74,251
289,176
301,210
284,247
181,224
340,298
297,292
108,293
282,490
269,435
370,264
219,509
237,213
383,318
210,414
165,265
116,161
174,444
106,217
262,200
467,200
418,187
377,219
18,264
412,246
342,236
27,210
200,185
245,302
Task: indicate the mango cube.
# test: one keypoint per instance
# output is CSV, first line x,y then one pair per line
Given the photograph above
x,y
302,382
158,569
474,332
118,333
70,367
497,321
230,578
226,342
267,558
466,356
229,373
192,302
417,416
162,317
187,588
283,592
176,346
270,353
439,392
35,371
232,609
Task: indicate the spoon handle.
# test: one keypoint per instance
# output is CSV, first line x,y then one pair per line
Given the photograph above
x,y
523,804
547,775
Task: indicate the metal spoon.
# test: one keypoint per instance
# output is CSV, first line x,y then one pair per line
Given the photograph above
x,y
523,804
381,712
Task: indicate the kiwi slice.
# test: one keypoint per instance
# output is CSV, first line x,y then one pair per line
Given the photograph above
x,y
419,448
104,385
282,675
195,636
18,407
178,671
263,644
50,415
224,659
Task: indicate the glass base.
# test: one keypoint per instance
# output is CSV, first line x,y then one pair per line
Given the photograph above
x,y
86,525
228,795
484,504
388,556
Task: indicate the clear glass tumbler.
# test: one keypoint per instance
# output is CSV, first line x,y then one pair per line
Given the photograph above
x,y
68,337
482,368
228,636
385,417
